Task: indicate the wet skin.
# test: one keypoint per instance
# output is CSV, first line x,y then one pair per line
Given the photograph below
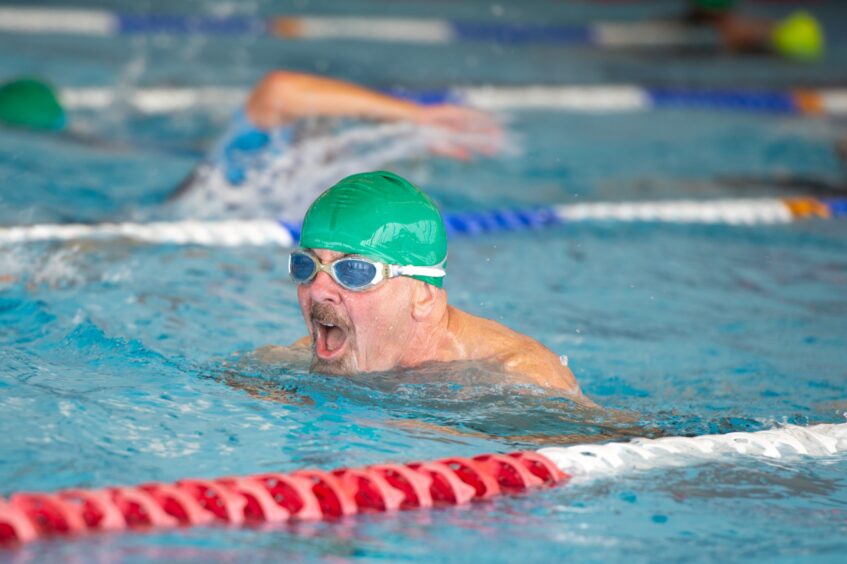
x,y
406,323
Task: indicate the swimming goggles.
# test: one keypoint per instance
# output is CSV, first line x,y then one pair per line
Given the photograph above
x,y
353,272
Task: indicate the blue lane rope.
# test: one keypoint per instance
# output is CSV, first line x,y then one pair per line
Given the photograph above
x,y
753,101
765,102
576,98
523,33
768,102
236,233
837,206
25,19
479,222
505,220
473,223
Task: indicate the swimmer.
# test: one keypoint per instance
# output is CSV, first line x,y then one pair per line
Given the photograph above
x,y
256,170
797,37
31,104
262,166
369,274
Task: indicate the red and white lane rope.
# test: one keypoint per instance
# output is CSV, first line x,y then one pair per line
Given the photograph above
x,y
317,494
274,497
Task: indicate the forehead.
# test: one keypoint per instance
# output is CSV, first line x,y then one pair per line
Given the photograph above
x,y
326,255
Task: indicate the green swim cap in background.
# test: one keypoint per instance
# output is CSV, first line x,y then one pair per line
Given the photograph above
x,y
381,216
798,37
30,103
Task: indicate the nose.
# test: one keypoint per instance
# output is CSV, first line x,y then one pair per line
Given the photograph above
x,y
324,289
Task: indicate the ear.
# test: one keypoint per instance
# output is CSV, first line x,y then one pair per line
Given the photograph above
x,y
426,299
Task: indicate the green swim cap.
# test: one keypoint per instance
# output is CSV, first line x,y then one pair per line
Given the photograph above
x,y
799,37
381,216
30,103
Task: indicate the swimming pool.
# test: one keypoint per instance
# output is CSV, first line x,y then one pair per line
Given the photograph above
x,y
114,354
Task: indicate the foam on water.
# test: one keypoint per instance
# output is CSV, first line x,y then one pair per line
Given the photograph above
x,y
290,177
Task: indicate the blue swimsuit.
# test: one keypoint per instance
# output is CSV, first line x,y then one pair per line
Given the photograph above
x,y
244,146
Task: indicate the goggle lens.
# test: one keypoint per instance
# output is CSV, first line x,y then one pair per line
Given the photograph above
x,y
351,273
354,273
302,267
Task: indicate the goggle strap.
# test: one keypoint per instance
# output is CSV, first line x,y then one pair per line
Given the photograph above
x,y
431,271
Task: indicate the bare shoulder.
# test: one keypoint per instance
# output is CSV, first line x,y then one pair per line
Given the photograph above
x,y
519,354
539,364
482,337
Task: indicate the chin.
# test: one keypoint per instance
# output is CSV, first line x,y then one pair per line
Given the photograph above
x,y
343,366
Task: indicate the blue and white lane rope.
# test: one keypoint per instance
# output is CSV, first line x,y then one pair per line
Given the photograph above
x,y
103,23
235,233
598,99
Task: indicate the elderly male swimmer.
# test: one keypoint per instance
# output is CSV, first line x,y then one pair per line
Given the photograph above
x,y
369,277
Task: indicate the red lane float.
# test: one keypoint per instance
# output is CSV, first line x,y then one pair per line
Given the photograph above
x,y
272,497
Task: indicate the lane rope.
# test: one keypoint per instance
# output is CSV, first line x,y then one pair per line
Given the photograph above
x,y
103,23
596,98
208,233
329,495
234,233
596,461
273,497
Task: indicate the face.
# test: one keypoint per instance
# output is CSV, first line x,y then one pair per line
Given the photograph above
x,y
356,331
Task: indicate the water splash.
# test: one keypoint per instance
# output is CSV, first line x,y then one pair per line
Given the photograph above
x,y
288,178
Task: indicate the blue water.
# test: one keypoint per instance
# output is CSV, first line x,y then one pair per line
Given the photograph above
x,y
116,359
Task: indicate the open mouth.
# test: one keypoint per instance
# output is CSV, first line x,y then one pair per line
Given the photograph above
x,y
330,336
330,340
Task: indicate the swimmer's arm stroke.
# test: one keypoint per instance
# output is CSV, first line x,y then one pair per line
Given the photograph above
x,y
283,97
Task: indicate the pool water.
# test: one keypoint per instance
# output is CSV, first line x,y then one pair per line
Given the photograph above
x,y
118,361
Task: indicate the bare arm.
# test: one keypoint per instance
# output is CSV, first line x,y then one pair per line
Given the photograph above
x,y
283,97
